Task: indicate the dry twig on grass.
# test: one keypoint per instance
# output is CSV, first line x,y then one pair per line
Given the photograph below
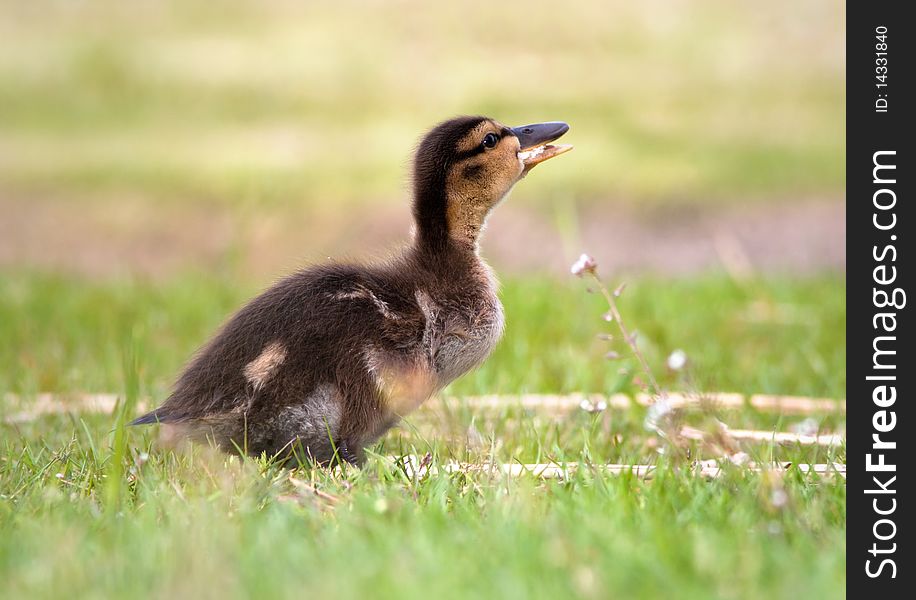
x,y
24,411
709,469
562,403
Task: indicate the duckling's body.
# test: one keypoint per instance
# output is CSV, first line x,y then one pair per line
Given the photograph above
x,y
338,353
332,356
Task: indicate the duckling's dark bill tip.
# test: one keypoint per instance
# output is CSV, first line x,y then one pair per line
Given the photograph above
x,y
538,134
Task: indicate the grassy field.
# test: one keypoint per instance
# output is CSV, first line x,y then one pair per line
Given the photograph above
x,y
89,509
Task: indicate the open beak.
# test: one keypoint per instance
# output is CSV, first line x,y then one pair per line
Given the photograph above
x,y
534,146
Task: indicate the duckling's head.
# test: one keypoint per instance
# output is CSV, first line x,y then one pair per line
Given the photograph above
x,y
465,166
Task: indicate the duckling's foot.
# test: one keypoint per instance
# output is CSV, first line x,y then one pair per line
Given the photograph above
x,y
344,452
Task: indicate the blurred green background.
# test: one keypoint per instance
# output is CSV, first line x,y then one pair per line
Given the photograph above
x,y
154,137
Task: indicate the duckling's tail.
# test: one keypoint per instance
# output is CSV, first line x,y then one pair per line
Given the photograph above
x,y
155,416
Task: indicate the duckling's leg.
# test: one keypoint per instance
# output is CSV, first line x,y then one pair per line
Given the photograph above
x,y
343,450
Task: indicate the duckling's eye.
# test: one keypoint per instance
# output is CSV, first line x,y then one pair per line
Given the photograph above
x,y
490,140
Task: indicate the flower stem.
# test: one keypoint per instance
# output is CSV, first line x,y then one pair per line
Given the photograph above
x,y
612,304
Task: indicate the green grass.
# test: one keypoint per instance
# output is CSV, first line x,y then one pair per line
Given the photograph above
x,y
226,531
88,509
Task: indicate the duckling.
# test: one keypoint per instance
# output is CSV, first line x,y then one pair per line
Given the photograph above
x,y
329,358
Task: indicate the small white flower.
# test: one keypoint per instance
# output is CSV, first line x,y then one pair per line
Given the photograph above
x,y
740,458
589,406
658,412
677,360
778,498
808,426
585,264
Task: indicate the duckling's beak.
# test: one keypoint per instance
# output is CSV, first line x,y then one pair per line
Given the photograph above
x,y
533,140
